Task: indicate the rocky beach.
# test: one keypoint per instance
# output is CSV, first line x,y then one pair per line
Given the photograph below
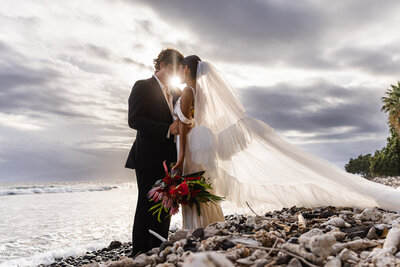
x,y
321,236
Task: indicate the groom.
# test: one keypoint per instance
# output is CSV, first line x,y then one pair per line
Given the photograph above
x,y
150,113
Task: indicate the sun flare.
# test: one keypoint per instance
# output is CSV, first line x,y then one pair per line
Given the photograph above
x,y
175,82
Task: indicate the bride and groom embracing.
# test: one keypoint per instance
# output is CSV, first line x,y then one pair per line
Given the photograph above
x,y
205,127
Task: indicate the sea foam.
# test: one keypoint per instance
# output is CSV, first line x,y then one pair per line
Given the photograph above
x,y
58,188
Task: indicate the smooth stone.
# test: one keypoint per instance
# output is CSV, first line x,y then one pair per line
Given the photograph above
x,y
262,263
369,215
114,245
227,245
355,231
189,244
337,222
282,259
294,263
89,256
198,233
248,233
211,259
165,252
245,241
192,249
334,262
178,235
154,250
372,233
165,244
245,261
209,232
142,260
309,216
328,213
172,258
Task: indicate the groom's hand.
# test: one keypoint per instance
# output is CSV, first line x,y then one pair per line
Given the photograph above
x,y
174,127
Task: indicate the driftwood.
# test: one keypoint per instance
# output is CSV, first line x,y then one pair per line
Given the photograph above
x,y
284,251
301,223
252,209
157,235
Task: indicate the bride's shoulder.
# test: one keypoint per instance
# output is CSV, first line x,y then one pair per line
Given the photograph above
x,y
187,91
187,94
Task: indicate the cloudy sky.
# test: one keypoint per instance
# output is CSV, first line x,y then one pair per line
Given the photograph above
x,y
315,71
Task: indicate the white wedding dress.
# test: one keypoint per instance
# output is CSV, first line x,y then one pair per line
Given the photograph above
x,y
248,162
210,212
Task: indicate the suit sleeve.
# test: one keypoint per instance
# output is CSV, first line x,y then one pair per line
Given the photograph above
x,y
137,115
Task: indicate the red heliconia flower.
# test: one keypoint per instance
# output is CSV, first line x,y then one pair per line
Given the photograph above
x,y
176,176
167,180
165,168
173,191
193,178
174,210
154,191
167,202
183,189
158,196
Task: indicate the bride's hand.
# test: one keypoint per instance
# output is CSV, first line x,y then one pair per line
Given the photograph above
x,y
178,166
189,127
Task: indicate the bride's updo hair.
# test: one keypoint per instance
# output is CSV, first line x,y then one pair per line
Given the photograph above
x,y
192,62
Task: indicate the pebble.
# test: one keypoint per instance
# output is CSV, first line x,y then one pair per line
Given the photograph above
x,y
328,236
198,233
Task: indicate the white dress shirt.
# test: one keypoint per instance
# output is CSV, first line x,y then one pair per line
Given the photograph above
x,y
166,92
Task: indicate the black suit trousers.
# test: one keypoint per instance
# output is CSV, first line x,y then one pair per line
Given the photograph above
x,y
142,240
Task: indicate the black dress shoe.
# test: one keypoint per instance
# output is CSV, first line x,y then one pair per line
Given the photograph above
x,y
134,254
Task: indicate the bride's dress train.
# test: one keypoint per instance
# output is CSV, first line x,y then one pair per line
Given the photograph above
x,y
270,173
249,162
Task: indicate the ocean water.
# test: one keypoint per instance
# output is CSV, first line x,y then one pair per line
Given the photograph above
x,y
41,222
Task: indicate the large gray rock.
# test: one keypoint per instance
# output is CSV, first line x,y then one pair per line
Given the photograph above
x,y
209,259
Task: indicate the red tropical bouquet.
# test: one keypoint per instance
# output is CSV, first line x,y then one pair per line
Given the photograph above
x,y
175,190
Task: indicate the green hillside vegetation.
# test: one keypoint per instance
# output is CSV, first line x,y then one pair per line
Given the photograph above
x,y
386,161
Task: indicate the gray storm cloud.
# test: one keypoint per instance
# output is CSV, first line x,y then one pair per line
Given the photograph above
x,y
65,78
306,34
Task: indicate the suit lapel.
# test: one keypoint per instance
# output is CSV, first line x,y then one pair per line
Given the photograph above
x,y
160,95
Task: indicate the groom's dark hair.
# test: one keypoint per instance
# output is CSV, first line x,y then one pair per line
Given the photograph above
x,y
168,56
192,62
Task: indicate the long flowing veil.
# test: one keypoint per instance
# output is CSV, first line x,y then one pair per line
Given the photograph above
x,y
248,162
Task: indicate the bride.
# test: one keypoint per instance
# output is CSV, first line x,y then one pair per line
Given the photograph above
x,y
248,162
185,110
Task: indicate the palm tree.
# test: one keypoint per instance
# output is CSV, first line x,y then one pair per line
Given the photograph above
x,y
391,105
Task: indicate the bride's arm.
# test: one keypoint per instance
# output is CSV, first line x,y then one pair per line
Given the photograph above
x,y
186,103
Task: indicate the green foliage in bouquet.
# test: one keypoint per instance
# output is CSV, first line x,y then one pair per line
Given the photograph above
x,y
199,189
175,190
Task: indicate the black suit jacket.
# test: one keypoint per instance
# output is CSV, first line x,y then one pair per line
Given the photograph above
x,y
149,114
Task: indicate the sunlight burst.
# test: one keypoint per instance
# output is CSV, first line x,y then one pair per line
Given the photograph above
x,y
175,82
